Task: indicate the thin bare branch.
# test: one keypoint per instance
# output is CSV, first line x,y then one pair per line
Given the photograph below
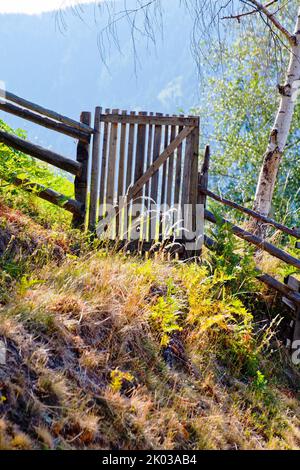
x,y
271,16
247,13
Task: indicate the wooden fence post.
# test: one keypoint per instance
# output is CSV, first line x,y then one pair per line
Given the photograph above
x,y
95,170
203,177
81,181
294,285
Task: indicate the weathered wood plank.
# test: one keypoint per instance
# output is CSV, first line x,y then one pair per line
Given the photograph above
x,y
158,119
178,170
119,218
122,159
112,162
193,196
164,168
45,122
48,195
296,335
186,177
171,182
81,181
44,111
293,284
203,177
147,221
36,151
95,171
260,243
139,169
140,153
130,154
155,176
186,182
104,159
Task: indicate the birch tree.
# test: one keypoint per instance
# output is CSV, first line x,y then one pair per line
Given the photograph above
x,y
278,138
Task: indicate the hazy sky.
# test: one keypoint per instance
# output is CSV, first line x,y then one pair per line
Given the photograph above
x,y
32,7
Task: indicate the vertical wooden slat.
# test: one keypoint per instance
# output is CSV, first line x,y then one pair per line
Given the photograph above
x,y
129,168
178,171
193,196
110,191
164,184
164,172
186,180
155,177
140,152
147,222
203,177
130,154
122,159
121,175
104,162
81,182
170,186
139,162
111,169
94,191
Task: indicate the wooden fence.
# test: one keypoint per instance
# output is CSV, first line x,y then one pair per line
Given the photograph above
x,y
290,290
152,159
81,131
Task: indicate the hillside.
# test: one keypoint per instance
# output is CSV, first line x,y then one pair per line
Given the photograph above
x,y
110,351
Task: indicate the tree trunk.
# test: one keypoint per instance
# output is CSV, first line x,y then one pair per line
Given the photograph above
x,y
281,129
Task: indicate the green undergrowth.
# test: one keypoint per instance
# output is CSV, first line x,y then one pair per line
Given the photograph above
x,y
110,351
17,164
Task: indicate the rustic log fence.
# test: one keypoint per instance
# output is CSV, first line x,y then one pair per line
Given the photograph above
x,y
146,157
81,131
290,290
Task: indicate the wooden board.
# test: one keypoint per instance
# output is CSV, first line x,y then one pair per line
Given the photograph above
x,y
171,183
95,171
106,131
155,176
158,119
81,181
164,168
112,155
294,284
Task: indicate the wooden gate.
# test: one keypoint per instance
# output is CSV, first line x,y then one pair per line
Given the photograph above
x,y
144,178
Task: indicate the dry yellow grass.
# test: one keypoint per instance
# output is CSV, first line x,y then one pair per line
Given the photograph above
x,y
88,365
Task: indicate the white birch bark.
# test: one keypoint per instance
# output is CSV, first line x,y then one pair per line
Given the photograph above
x,y
278,138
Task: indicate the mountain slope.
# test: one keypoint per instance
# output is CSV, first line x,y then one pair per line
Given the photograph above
x,y
103,351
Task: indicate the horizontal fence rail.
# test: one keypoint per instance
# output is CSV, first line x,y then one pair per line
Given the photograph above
x,y
290,231
254,240
45,112
36,151
287,290
152,119
61,127
48,195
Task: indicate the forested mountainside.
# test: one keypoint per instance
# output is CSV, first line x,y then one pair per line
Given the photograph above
x,y
62,68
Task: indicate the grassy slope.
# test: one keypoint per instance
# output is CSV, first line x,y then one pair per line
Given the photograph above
x,y
106,351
